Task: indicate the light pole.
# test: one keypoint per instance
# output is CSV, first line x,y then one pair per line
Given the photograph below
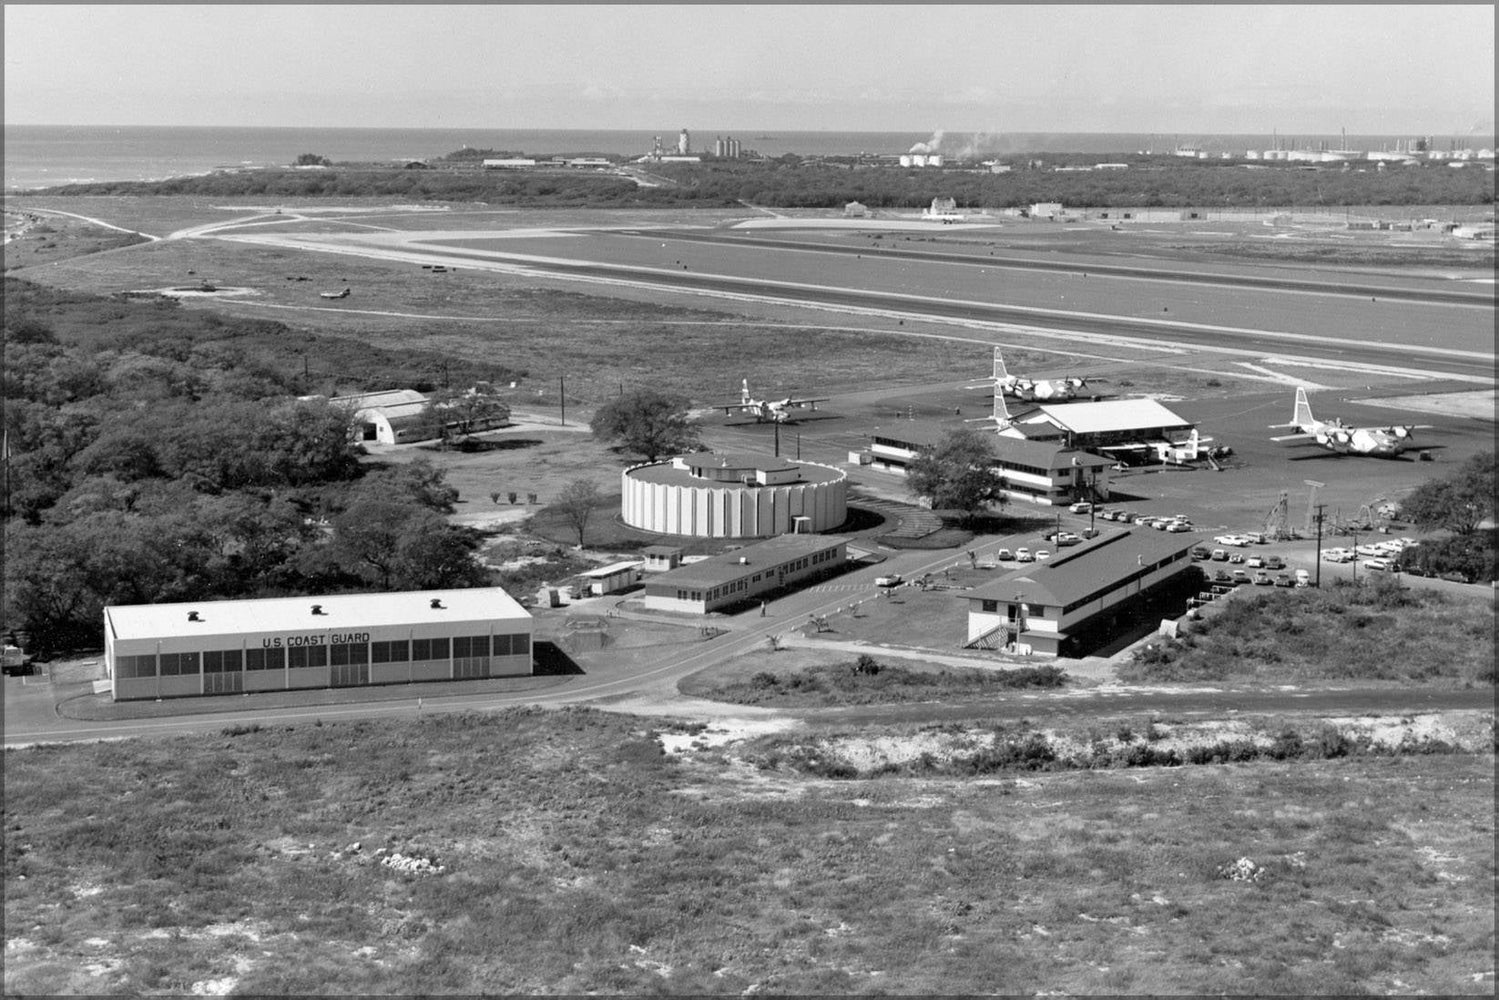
x,y
1354,535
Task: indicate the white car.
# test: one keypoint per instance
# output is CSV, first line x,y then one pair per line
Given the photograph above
x,y
1369,550
1255,562
890,580
1178,526
1042,554
1337,555
1237,540
1023,554
1081,507
1383,565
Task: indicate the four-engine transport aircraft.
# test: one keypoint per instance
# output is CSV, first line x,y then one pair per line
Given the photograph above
x,y
774,410
1340,438
1044,390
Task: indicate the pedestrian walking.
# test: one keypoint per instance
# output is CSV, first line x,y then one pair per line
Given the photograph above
x,y
762,609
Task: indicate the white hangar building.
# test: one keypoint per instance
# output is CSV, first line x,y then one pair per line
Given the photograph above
x,y
1123,428
285,643
734,496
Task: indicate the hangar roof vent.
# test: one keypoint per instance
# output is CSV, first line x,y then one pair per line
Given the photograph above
x,y
437,602
317,609
192,616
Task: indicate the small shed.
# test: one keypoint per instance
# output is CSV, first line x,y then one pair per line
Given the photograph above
x,y
854,210
612,578
660,558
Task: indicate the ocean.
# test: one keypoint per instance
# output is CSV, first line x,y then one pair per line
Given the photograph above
x,y
45,155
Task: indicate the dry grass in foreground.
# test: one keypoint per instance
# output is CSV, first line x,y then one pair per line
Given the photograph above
x,y
565,852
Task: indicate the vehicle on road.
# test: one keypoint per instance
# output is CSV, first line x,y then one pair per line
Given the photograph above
x,y
1004,555
1023,554
1081,507
1238,541
1178,526
1042,554
888,580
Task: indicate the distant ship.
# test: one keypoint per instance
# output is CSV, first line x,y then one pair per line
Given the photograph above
x,y
764,137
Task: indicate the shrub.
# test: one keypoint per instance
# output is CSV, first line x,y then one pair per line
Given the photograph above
x,y
866,665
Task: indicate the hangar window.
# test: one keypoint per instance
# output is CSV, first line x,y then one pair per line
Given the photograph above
x,y
347,653
265,659
135,666
398,651
178,664
990,605
471,645
429,649
307,656
222,661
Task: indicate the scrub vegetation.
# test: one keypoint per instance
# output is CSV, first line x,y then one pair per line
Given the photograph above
x,y
792,182
565,852
866,681
1378,630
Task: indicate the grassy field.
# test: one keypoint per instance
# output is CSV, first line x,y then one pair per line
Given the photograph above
x,y
566,853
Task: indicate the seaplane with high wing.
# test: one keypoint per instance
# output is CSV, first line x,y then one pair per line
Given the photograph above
x,y
771,410
336,295
1044,390
1342,439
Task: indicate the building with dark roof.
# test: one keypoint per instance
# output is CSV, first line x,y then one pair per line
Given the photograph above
x,y
1080,598
1045,472
733,496
746,574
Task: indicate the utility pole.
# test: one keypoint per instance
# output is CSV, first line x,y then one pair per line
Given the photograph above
x,y
562,397
777,425
1320,508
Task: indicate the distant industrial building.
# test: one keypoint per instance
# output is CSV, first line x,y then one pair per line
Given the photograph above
x,y
290,643
733,496
1081,598
510,163
748,574
1031,471
726,148
1046,210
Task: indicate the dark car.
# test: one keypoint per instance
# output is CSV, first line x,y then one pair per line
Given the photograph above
x,y
1284,580
1274,562
1201,552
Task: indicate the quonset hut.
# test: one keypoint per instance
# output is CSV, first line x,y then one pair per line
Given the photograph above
x,y
734,496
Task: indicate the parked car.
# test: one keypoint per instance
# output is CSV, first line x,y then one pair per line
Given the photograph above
x,y
1178,526
1284,580
1379,564
1262,579
1452,577
1042,554
1219,555
1004,555
1127,516
1237,557
888,580
1201,552
1303,578
1081,507
1089,532
1240,576
1274,562
1338,555
1066,538
1238,541
1255,562
1160,523
1023,554
1368,550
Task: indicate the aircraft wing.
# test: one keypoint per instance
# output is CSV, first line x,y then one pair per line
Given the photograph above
x,y
1124,447
1294,437
730,408
809,401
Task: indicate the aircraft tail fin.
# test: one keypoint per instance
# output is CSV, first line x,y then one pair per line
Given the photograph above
x,y
1303,416
1000,372
1001,411
744,396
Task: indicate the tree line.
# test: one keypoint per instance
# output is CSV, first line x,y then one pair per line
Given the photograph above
x,y
165,457
789,182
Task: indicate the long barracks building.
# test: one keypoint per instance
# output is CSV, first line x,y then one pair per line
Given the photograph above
x,y
347,640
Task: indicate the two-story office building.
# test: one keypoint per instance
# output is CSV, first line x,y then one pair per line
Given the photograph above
x,y
746,574
1045,472
1081,597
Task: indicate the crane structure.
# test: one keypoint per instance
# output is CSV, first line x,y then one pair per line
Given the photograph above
x,y
1311,503
1277,522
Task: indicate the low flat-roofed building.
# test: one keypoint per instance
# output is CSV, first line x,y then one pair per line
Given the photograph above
x,y
1081,597
284,643
660,558
1036,471
746,574
612,578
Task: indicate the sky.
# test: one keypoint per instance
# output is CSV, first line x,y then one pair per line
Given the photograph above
x,y
1211,68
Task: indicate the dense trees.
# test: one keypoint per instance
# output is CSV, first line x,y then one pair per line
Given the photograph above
x,y
1459,501
163,460
956,474
647,422
794,183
